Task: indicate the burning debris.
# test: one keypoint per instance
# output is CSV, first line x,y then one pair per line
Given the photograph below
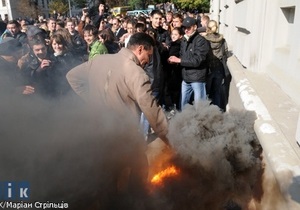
x,y
158,179
218,155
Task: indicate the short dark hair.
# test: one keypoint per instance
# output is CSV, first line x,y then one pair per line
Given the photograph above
x,y
91,28
140,26
14,22
142,19
36,40
156,11
141,39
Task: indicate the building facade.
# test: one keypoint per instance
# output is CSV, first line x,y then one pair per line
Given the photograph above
x,y
263,38
9,9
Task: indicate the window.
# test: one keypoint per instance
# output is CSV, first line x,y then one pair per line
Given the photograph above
x,y
4,3
289,13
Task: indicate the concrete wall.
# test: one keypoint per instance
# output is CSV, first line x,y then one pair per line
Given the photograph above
x,y
263,37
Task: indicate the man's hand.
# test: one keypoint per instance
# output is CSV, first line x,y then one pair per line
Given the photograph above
x,y
28,90
174,59
25,90
45,63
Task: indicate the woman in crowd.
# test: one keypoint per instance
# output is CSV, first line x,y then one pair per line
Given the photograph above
x,y
175,78
106,36
95,47
218,78
62,60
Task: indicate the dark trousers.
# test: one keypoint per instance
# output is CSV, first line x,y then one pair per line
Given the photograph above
x,y
215,88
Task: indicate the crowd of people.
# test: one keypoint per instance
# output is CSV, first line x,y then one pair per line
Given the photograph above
x,y
187,63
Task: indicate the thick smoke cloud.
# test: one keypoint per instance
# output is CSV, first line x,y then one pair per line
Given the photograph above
x,y
218,156
68,153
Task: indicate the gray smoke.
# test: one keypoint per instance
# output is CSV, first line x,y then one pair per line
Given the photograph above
x,y
68,153
219,159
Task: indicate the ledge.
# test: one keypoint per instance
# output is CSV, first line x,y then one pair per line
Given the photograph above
x,y
276,125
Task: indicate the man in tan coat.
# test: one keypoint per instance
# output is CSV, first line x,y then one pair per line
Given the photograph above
x,y
118,81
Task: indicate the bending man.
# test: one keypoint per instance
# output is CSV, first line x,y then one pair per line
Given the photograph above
x,y
118,81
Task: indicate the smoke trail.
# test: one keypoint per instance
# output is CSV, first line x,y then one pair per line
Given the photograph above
x,y
219,158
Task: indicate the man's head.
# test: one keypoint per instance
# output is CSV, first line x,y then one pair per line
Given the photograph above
x,y
10,47
141,45
70,26
155,18
13,27
177,20
115,24
204,20
38,47
51,24
169,17
190,25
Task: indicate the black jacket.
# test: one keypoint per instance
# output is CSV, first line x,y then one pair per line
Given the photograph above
x,y
32,74
60,66
193,54
79,45
154,70
162,34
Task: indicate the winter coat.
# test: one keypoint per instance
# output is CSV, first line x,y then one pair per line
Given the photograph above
x,y
112,47
61,65
193,54
8,79
79,45
162,34
175,69
21,36
154,70
119,82
216,54
42,79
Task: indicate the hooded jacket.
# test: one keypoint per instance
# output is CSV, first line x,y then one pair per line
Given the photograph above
x,y
193,54
216,54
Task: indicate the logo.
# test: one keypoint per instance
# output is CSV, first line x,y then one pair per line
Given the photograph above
x,y
14,191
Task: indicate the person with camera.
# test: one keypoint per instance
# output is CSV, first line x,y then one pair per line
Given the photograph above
x,y
89,16
96,18
35,68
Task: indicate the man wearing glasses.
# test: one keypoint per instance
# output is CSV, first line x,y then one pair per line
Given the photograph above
x,y
117,29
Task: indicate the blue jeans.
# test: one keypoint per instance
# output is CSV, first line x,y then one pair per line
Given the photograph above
x,y
187,89
144,123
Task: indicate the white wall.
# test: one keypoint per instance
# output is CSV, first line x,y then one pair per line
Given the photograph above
x,y
272,44
264,38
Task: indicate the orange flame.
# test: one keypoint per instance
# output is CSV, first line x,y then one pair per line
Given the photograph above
x,y
159,177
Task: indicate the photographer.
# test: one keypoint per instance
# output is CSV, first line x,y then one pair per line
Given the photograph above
x,y
101,14
36,68
91,16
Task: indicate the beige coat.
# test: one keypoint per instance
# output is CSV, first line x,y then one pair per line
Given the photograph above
x,y
118,81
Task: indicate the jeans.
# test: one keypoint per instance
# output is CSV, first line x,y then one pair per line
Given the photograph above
x,y
187,89
144,123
